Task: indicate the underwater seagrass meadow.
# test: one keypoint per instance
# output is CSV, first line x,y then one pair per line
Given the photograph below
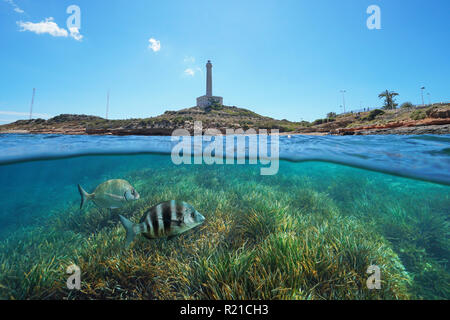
x,y
308,232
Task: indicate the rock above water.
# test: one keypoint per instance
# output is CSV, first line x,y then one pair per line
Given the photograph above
x,y
438,112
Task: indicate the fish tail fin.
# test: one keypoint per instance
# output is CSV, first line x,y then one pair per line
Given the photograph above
x,y
84,196
129,228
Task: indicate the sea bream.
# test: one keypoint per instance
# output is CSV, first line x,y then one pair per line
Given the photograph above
x,y
166,219
110,194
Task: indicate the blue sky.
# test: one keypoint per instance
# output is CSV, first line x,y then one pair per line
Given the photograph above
x,y
284,59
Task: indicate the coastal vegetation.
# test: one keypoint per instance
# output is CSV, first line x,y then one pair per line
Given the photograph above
x,y
407,105
389,99
225,117
373,114
297,235
418,115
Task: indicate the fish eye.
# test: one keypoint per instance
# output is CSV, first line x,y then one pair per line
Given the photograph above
x,y
192,214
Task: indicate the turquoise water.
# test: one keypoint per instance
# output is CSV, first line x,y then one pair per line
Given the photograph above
x,y
394,187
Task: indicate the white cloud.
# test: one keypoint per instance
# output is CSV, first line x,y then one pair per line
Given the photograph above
x,y
155,45
192,71
189,72
75,33
50,27
47,26
15,6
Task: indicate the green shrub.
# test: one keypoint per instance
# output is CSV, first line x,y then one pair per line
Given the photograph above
x,y
407,105
331,115
373,114
318,121
418,115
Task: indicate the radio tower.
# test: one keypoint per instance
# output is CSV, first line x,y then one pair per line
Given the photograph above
x,y
32,102
107,105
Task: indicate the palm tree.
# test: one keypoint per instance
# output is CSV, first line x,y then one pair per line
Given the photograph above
x,y
389,101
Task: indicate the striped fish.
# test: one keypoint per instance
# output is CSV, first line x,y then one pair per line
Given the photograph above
x,y
166,219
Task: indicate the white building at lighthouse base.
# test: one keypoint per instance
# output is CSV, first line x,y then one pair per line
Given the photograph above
x,y
206,101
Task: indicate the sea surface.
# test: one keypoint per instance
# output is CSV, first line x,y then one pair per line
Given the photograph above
x,y
334,207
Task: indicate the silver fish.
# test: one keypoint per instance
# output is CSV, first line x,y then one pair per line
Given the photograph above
x,y
111,194
166,219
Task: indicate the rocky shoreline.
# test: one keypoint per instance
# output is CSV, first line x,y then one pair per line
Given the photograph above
x,y
435,129
401,130
434,119
427,126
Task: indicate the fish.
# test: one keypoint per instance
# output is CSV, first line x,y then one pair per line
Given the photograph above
x,y
111,194
165,220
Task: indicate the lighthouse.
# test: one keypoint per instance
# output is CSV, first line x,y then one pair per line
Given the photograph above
x,y
209,79
208,99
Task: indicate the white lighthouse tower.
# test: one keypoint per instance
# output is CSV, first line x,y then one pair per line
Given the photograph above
x,y
208,99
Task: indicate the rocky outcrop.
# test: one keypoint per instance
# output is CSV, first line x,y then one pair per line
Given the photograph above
x,y
433,129
132,131
426,126
438,113
62,118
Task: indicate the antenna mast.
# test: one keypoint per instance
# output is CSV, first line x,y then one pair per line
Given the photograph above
x,y
32,102
107,105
